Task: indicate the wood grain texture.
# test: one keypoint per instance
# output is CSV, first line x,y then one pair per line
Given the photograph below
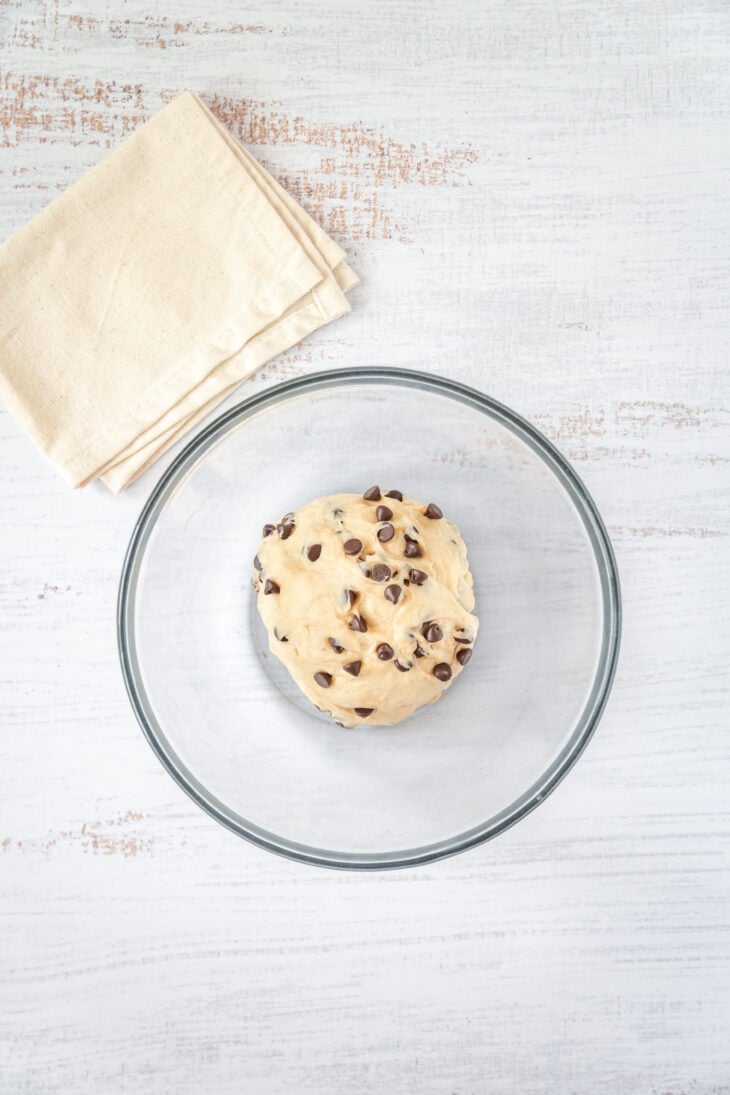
x,y
536,199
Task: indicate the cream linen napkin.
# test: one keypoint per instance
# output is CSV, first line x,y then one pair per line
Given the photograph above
x,y
143,295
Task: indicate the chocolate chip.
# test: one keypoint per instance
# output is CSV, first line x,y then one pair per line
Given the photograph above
x,y
442,671
363,712
403,668
433,511
268,529
257,563
387,532
281,638
271,587
419,652
463,656
357,624
392,594
383,513
314,553
417,577
353,546
413,550
324,680
458,640
337,512
395,494
351,595
286,526
336,646
384,651
372,494
353,668
432,633
380,573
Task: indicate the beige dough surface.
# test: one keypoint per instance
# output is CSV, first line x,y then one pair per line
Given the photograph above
x,y
341,593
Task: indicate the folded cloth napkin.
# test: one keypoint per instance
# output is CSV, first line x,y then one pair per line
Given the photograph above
x,y
144,294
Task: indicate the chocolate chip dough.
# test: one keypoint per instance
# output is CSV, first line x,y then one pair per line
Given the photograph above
x,y
367,600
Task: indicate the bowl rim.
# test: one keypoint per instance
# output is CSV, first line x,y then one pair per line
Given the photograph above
x,y
594,705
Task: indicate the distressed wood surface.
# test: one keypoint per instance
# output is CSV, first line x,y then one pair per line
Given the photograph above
x,y
536,199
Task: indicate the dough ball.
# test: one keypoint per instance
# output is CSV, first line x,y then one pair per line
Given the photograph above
x,y
368,602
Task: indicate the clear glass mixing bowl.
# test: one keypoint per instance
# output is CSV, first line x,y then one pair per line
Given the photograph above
x,y
223,716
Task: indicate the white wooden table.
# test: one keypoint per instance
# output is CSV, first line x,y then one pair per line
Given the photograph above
x,y
535,196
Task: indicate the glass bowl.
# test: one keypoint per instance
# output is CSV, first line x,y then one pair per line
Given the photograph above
x,y
223,716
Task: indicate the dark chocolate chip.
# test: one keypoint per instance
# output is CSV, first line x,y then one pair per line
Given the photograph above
x,y
271,587
336,646
337,512
433,511
372,494
413,550
383,513
357,624
458,640
363,712
268,529
419,652
324,680
281,638
395,494
403,668
463,656
351,595
392,594
384,651
380,573
442,672
314,553
286,526
353,546
417,577
432,633
387,532
257,563
353,668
